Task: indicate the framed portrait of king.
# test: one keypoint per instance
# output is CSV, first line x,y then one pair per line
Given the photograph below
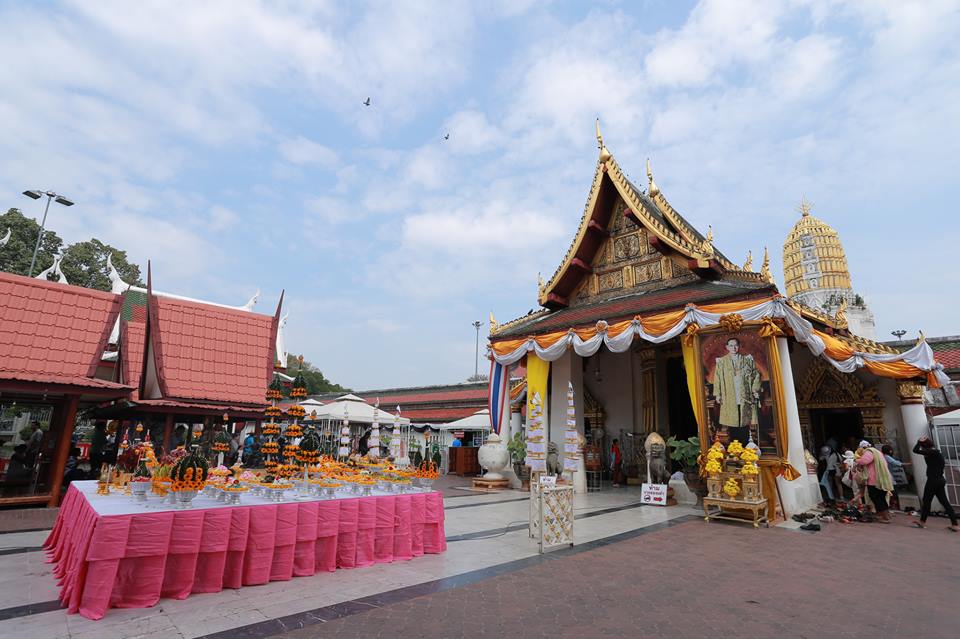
x,y
740,388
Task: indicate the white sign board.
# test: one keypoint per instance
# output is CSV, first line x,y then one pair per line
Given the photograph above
x,y
654,494
548,480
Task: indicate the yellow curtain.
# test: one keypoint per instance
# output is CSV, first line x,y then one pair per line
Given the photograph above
x,y
537,373
689,348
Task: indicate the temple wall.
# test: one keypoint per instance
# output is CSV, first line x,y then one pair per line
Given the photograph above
x,y
615,391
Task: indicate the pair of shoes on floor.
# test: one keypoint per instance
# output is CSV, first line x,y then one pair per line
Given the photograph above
x,y
812,526
803,517
918,523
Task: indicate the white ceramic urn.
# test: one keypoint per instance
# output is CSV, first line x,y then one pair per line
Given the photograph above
x,y
494,457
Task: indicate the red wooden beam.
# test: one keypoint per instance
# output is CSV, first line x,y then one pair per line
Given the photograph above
x,y
580,264
596,227
559,300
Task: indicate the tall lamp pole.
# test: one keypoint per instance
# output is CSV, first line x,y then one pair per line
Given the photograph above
x,y
898,333
476,352
36,195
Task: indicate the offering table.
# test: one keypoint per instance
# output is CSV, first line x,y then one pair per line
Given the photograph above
x,y
112,552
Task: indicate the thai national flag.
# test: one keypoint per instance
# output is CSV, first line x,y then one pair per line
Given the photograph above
x,y
498,401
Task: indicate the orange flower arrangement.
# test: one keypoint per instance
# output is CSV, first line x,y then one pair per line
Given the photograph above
x,y
188,482
272,411
427,470
296,411
294,430
270,428
270,448
290,450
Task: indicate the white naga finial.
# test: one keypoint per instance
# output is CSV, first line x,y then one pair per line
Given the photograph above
x,y
6,238
281,340
117,285
252,301
54,270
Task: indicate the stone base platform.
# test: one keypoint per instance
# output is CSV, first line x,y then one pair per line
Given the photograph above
x,y
491,484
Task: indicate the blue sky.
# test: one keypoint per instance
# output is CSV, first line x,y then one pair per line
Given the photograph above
x,y
228,143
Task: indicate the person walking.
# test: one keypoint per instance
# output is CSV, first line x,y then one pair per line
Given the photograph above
x,y
936,485
877,478
616,459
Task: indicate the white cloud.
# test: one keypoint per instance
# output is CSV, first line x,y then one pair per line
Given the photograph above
x,y
471,132
222,218
300,150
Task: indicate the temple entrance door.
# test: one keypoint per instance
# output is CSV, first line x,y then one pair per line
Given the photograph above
x,y
683,423
845,425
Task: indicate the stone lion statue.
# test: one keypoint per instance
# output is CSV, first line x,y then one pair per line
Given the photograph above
x,y
658,470
554,466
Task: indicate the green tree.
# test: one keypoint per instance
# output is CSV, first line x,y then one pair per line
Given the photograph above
x,y
316,381
85,264
16,254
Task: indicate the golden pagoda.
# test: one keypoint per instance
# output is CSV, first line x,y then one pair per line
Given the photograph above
x,y
816,273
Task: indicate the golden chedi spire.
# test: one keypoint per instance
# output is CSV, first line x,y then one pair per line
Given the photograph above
x,y
814,262
748,265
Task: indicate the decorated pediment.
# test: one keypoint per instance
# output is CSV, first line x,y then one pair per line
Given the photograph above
x,y
627,262
632,241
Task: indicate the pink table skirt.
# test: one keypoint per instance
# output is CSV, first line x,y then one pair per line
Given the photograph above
x,y
131,561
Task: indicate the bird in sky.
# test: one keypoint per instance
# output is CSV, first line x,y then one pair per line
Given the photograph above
x,y
366,102
446,137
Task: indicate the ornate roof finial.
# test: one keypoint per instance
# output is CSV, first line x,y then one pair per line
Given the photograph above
x,y
6,238
805,206
252,301
652,187
604,153
117,285
54,270
841,316
493,323
765,267
922,338
748,265
707,246
540,285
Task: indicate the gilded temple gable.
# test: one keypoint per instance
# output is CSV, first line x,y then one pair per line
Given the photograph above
x,y
630,240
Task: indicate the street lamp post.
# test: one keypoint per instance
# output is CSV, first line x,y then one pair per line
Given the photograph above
x,y
898,333
476,352
36,195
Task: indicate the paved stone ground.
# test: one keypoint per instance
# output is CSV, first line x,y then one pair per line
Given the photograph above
x,y
703,580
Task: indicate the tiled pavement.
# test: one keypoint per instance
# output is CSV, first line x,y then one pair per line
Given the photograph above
x,y
702,580
628,575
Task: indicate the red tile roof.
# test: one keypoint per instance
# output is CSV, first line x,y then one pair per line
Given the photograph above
x,y
428,397
438,415
133,337
212,353
54,333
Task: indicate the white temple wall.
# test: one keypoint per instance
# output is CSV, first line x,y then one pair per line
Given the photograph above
x,y
893,417
614,391
569,368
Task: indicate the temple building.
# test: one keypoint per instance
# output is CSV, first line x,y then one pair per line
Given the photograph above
x,y
816,274
655,329
132,356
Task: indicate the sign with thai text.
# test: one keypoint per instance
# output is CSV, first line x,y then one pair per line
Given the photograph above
x,y
654,494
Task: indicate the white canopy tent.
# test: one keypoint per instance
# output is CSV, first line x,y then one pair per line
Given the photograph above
x,y
480,420
328,419
352,407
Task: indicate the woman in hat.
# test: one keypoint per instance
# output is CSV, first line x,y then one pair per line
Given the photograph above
x,y
878,480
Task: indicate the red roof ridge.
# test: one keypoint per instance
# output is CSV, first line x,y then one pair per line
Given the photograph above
x,y
78,290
